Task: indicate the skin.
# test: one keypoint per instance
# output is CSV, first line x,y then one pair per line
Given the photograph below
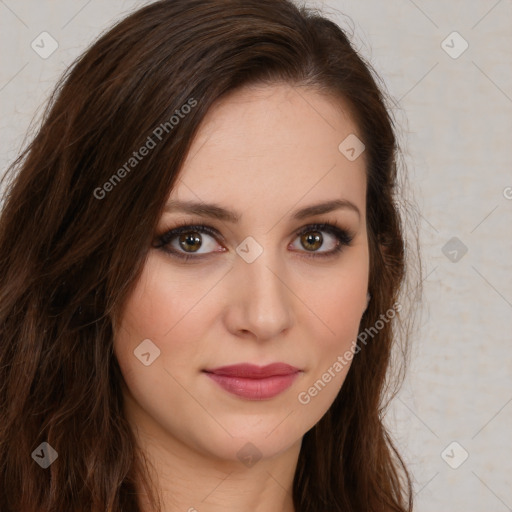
x,y
264,152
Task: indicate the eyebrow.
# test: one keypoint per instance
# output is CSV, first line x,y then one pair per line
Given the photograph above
x,y
218,212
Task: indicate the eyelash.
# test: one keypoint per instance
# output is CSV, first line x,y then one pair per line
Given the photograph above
x,y
344,237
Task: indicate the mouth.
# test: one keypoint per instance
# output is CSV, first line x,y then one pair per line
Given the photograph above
x,y
254,382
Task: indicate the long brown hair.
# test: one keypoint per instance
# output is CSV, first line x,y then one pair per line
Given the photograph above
x,y
75,230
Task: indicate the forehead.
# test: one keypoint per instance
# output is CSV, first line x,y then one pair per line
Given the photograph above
x,y
272,147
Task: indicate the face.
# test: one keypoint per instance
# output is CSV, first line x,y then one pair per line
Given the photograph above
x,y
272,287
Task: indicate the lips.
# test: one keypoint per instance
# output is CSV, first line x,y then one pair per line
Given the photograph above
x,y
250,371
254,382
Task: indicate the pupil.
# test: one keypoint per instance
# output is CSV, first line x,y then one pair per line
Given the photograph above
x,y
190,239
311,239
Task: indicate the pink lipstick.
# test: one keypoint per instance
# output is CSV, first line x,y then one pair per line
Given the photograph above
x,y
254,382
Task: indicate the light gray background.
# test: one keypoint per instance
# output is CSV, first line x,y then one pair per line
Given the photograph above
x,y
456,125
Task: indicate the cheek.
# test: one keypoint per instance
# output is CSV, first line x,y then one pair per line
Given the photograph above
x,y
160,312
340,302
343,317
163,308
339,307
330,357
162,302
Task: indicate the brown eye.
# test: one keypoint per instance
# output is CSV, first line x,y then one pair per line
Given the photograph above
x,y
312,240
186,241
191,240
329,238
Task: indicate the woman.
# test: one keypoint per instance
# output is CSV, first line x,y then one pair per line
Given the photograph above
x,y
201,259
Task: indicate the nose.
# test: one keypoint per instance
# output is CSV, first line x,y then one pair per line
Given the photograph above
x,y
260,299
